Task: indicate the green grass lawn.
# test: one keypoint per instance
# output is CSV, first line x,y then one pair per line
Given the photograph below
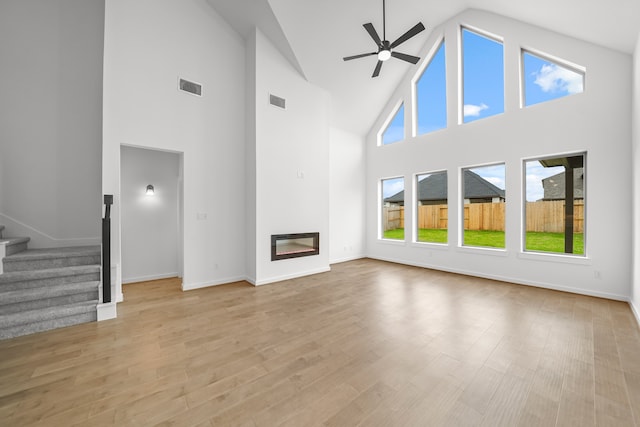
x,y
540,242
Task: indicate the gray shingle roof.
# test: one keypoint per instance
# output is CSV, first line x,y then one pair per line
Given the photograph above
x,y
554,185
434,187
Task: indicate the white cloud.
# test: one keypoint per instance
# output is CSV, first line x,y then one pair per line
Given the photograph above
x,y
471,110
553,78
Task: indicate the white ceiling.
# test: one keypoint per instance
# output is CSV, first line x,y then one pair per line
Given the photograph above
x,y
315,34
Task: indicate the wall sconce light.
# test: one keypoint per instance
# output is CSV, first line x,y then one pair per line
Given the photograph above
x,y
150,190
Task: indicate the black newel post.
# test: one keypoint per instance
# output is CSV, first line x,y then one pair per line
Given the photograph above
x,y
106,249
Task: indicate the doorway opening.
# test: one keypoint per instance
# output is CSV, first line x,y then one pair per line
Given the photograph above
x,y
151,197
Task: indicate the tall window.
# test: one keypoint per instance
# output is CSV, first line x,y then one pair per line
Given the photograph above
x,y
544,80
484,206
432,207
554,209
431,95
392,226
394,131
483,76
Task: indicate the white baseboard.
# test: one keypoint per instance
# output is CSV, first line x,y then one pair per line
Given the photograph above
x,y
200,285
346,259
290,276
507,279
635,311
150,277
106,311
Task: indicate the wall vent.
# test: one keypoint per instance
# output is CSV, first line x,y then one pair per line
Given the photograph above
x,y
276,101
191,87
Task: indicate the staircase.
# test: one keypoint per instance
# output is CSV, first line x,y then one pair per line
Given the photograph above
x,y
42,289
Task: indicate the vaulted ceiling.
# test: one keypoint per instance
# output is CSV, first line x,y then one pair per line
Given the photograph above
x,y
314,35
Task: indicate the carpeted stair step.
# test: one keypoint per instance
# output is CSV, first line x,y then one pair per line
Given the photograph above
x,y
53,276
15,244
40,259
47,296
28,322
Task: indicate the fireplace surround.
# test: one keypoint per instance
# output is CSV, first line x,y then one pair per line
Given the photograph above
x,y
295,245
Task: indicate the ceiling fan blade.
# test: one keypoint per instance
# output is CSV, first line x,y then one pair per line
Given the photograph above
x,y
376,72
349,58
406,36
405,57
373,33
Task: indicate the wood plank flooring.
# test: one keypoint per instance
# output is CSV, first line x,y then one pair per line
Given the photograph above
x,y
369,343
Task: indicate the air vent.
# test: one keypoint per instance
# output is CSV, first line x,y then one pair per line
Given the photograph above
x,y
276,101
191,87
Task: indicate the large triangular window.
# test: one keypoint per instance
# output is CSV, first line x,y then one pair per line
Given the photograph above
x,y
431,95
394,131
545,80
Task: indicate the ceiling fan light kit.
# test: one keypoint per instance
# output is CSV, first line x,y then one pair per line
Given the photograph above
x,y
386,49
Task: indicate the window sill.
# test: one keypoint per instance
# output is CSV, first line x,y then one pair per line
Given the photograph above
x,y
431,245
554,257
392,242
480,250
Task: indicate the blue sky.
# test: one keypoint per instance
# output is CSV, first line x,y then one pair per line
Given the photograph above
x,y
483,76
535,173
431,95
545,80
483,85
495,174
395,130
392,186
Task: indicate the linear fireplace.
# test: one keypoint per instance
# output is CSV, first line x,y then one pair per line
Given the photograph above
x,y
284,246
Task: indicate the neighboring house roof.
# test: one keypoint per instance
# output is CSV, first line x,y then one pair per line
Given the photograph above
x,y
434,187
554,185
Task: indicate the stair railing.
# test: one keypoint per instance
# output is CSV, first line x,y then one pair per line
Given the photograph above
x,y
106,249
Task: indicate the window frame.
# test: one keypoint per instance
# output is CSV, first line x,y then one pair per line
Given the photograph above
x,y
381,197
394,111
571,66
559,256
416,207
493,37
461,193
435,48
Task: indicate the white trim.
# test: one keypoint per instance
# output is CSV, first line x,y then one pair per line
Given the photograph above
x,y
53,241
635,311
346,259
291,276
106,311
207,284
509,280
151,277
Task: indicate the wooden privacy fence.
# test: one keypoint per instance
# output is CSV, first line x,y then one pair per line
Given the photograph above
x,y
548,216
544,216
393,217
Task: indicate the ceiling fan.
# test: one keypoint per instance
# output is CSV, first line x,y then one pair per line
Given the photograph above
x,y
386,49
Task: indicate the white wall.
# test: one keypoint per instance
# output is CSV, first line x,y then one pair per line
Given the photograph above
x,y
292,164
51,120
347,201
635,122
596,121
150,228
148,45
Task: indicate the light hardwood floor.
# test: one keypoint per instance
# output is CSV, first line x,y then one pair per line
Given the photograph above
x,y
370,343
